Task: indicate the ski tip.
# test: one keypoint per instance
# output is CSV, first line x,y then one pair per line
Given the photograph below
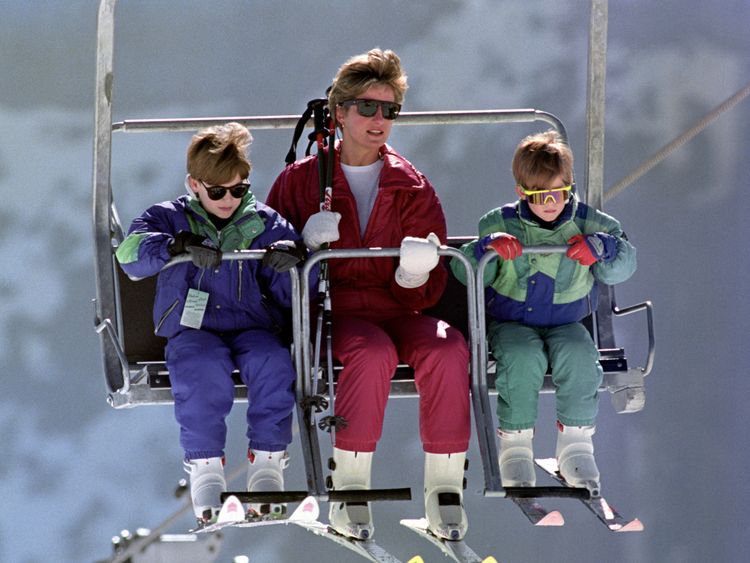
x,y
553,518
307,511
489,559
231,511
415,523
416,559
634,525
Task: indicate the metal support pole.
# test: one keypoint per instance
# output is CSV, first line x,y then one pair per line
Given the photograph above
x,y
597,73
105,305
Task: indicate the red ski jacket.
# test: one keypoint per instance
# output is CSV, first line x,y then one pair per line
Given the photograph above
x,y
406,205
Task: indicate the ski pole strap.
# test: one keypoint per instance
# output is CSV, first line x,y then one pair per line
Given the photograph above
x,y
291,156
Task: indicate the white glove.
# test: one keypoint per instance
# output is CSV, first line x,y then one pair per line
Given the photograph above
x,y
417,259
321,228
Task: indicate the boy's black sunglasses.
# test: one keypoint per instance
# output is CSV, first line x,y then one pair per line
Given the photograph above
x,y
368,108
216,193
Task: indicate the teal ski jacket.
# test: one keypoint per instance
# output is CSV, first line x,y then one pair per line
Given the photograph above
x,y
546,289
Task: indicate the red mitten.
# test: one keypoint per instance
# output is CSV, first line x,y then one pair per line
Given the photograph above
x,y
507,246
580,251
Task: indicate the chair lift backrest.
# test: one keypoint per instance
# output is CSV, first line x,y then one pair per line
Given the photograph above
x,y
140,344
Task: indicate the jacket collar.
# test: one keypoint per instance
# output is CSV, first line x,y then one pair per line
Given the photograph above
x,y
246,219
246,208
398,173
524,212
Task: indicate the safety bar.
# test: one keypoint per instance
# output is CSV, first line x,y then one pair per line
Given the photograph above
x,y
333,254
308,440
492,470
358,495
649,308
106,325
459,117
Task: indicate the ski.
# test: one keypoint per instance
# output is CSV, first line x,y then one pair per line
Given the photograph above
x,y
418,559
597,505
364,548
537,514
233,515
457,550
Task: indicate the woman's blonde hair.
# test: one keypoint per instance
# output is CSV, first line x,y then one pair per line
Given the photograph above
x,y
360,72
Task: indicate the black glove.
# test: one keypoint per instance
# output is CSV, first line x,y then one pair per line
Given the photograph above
x,y
182,240
203,256
283,255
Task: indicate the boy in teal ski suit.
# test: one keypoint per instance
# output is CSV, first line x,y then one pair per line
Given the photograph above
x,y
535,304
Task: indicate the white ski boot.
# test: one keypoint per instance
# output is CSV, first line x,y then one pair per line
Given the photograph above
x,y
265,473
206,485
443,495
575,457
516,457
351,471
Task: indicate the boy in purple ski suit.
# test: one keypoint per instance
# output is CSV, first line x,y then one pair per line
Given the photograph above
x,y
221,316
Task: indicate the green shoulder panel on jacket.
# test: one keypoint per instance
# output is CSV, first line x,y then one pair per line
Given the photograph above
x,y
240,235
492,222
127,252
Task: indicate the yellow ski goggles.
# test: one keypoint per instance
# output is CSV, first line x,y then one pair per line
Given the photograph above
x,y
543,197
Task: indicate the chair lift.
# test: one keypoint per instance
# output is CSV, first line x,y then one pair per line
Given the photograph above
x,y
133,357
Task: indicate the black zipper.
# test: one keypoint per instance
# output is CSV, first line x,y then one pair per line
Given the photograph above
x,y
165,315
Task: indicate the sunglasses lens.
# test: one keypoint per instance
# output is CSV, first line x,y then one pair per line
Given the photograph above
x,y
367,108
238,191
390,110
216,193
550,196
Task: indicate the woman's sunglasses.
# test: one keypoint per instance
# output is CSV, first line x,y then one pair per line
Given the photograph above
x,y
216,193
542,197
368,108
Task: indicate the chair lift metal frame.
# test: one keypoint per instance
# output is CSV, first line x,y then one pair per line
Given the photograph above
x,y
127,382
400,386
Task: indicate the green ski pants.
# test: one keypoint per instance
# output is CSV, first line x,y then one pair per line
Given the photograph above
x,y
524,353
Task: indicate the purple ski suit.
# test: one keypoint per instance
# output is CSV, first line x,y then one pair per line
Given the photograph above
x,y
240,329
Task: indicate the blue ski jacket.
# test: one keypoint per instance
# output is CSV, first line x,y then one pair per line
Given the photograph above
x,y
242,294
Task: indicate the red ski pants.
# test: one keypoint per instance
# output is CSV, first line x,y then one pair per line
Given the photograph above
x,y
369,351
